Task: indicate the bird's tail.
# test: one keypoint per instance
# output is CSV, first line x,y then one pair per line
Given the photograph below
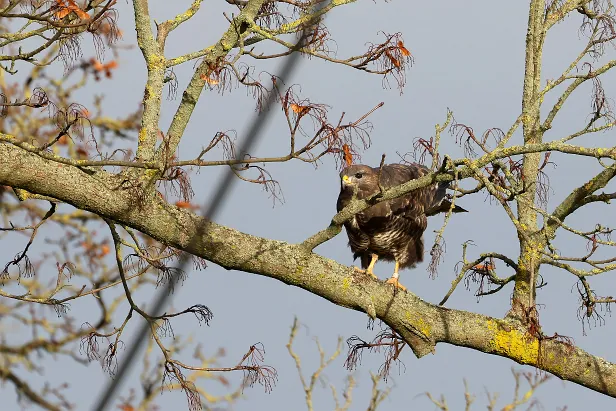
x,y
444,207
440,203
441,192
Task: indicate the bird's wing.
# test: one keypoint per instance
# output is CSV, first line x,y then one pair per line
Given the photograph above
x,y
412,205
430,200
396,174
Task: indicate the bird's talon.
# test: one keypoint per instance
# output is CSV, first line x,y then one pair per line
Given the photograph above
x,y
362,271
396,283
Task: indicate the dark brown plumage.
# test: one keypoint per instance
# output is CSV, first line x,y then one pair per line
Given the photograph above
x,y
391,230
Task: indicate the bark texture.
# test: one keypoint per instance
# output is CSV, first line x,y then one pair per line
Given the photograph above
x,y
423,325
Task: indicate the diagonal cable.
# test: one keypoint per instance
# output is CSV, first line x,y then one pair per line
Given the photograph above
x,y
208,211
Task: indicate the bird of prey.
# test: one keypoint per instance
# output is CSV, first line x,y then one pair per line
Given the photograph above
x,y
391,230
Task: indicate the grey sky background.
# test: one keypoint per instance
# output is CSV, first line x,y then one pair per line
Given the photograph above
x,y
469,57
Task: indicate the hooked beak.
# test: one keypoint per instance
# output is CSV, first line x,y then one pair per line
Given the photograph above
x,y
346,181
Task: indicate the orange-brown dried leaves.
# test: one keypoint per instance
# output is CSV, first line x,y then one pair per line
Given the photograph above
x,y
185,205
212,81
99,68
485,266
300,110
403,49
65,7
391,58
96,250
347,154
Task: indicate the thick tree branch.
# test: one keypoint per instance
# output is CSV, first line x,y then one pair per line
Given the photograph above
x,y
528,263
420,323
155,63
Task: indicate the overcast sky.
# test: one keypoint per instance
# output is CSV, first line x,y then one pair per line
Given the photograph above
x,y
469,57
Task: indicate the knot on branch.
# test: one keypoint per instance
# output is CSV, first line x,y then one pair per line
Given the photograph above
x,y
420,342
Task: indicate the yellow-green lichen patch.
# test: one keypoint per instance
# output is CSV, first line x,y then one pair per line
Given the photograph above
x,y
151,172
418,323
23,195
557,364
346,282
514,344
156,61
143,134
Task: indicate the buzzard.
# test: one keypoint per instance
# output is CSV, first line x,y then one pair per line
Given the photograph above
x,y
391,230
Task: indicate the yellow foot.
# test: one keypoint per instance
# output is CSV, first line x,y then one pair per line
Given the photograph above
x,y
396,283
362,271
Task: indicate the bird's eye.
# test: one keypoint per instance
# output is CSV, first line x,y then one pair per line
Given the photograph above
x,y
358,175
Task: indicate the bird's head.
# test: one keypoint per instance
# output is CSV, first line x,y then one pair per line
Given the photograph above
x,y
358,176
